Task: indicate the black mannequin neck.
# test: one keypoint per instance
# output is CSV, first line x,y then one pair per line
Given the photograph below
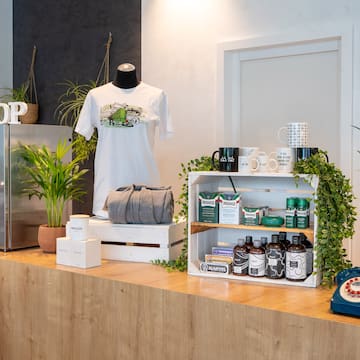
x,y
125,79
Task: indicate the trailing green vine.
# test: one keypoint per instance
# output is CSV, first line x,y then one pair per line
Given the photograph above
x,y
335,212
203,163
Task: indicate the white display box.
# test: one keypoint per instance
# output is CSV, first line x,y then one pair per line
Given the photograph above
x,y
138,242
64,253
83,254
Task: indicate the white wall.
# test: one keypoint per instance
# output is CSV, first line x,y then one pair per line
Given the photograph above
x,y
6,46
179,54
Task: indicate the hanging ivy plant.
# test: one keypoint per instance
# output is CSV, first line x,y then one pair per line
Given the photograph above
x,y
335,212
203,163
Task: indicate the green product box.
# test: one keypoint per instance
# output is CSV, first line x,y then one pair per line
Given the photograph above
x,y
208,207
252,215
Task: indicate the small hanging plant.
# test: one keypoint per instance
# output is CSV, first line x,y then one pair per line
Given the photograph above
x,y
72,101
203,163
335,212
68,111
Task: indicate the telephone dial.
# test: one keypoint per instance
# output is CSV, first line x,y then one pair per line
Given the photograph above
x,y
346,299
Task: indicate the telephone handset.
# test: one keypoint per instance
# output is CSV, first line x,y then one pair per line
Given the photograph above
x,y
346,299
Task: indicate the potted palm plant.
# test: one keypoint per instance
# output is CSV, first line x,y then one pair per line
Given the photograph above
x,y
48,176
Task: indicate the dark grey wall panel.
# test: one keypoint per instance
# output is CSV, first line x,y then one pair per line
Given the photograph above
x,y
70,36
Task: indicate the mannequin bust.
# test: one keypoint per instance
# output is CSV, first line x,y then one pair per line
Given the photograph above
x,y
126,76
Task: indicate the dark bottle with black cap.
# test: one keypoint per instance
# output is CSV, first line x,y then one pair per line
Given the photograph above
x,y
295,261
275,258
283,240
248,242
309,253
264,241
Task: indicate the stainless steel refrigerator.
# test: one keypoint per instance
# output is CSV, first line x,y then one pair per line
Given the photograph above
x,y
19,215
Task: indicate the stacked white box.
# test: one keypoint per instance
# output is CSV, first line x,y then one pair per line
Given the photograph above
x,y
82,254
75,249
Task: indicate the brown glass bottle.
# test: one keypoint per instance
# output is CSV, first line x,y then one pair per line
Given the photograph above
x,y
295,261
309,253
275,259
257,260
283,240
264,241
240,259
248,242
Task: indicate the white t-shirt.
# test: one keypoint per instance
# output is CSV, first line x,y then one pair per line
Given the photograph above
x,y
126,120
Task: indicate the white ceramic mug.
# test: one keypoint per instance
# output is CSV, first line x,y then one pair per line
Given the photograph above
x,y
251,152
247,164
285,157
266,163
295,134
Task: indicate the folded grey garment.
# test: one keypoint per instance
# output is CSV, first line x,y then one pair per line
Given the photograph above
x,y
140,204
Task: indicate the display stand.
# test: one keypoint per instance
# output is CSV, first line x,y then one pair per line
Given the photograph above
x,y
257,190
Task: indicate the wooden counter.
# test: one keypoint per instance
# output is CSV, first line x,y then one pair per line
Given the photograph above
x,y
125,310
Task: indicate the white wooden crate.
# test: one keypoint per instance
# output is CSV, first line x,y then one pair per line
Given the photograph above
x,y
257,189
137,242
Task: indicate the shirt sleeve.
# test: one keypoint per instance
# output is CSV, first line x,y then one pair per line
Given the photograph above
x,y
85,122
165,123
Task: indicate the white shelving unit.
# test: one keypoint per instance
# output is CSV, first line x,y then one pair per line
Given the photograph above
x,y
259,189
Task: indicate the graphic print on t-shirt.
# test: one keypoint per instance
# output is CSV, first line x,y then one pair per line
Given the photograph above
x,y
121,115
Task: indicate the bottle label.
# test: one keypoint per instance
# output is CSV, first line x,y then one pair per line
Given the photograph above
x,y
257,264
295,265
275,263
302,222
290,221
241,262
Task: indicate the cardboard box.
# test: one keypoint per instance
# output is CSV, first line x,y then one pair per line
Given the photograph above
x,y
252,215
229,208
208,207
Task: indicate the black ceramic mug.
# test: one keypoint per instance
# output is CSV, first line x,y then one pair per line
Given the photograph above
x,y
303,153
228,159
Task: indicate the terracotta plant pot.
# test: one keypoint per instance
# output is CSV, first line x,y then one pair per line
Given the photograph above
x,y
47,237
